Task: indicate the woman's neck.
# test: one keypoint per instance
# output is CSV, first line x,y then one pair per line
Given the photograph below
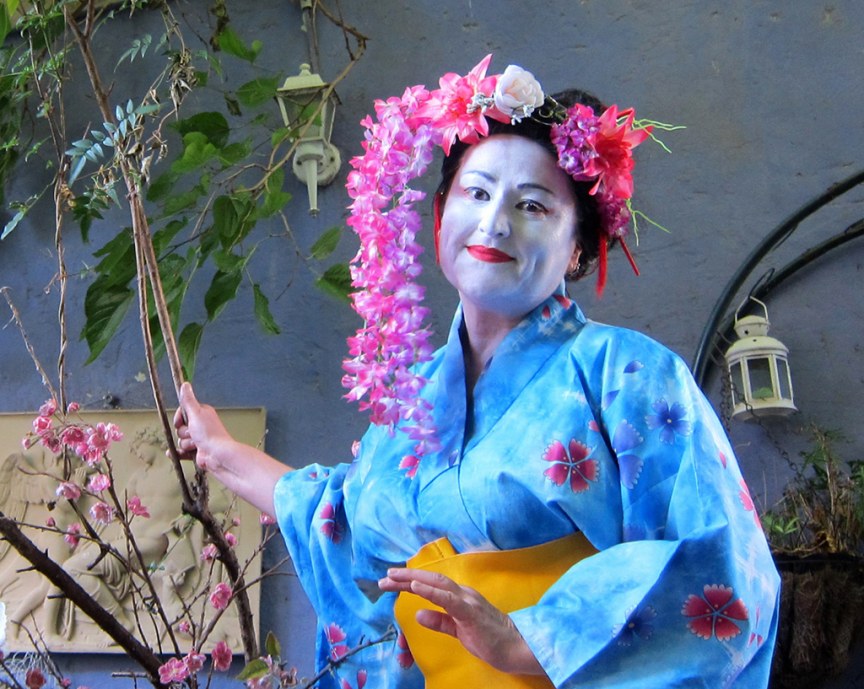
x,y
482,332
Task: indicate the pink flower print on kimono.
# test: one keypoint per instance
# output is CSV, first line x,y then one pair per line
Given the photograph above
x,y
331,528
574,464
404,657
335,637
361,681
561,299
670,420
714,613
747,502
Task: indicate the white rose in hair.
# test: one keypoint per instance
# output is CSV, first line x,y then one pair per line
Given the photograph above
x,y
517,93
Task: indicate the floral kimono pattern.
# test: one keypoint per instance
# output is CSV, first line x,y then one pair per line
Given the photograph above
x,y
575,426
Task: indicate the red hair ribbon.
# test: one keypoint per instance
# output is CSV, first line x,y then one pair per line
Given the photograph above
x,y
602,262
436,225
602,265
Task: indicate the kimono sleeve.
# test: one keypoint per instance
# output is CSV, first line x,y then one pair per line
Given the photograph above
x,y
310,513
687,595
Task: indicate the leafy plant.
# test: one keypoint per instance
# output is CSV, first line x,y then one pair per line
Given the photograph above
x,y
822,508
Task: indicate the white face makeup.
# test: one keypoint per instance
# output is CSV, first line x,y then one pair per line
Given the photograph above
x,y
508,230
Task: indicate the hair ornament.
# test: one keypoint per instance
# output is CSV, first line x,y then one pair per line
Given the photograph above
x,y
398,147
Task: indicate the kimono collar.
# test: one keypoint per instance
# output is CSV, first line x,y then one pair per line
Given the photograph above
x,y
517,360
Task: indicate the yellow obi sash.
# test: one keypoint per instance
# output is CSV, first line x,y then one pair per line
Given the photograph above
x,y
509,579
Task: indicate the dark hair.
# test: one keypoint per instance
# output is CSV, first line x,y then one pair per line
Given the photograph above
x,y
588,214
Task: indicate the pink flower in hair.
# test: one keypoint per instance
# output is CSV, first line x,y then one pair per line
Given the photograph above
x,y
460,106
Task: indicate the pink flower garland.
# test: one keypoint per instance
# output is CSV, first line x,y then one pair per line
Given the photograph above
x,y
398,147
393,336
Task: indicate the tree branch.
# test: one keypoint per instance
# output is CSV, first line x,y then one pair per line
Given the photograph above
x,y
77,595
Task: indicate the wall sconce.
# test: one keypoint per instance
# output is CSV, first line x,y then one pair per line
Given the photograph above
x,y
758,369
316,160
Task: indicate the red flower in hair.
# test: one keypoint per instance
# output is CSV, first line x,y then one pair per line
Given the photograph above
x,y
613,144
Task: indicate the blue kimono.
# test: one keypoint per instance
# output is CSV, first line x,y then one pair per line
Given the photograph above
x,y
575,426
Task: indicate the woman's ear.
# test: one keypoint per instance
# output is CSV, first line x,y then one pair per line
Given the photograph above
x,y
573,265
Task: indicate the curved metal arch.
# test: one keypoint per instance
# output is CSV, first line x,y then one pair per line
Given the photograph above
x,y
711,331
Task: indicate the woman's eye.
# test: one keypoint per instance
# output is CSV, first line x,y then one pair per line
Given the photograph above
x,y
532,206
477,193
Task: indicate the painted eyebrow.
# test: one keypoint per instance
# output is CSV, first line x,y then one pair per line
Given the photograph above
x,y
524,185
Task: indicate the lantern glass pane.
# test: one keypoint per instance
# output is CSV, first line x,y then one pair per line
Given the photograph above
x,y
783,379
761,385
737,383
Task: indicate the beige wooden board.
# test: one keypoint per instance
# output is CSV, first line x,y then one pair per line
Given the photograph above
x,y
170,541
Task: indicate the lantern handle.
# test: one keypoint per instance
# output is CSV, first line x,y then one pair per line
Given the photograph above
x,y
744,303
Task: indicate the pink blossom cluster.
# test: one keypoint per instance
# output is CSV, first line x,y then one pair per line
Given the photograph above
x,y
221,595
179,669
88,442
72,535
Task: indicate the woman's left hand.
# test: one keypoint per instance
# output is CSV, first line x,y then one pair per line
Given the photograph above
x,y
482,629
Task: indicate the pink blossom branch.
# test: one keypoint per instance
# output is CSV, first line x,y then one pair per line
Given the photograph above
x,y
42,563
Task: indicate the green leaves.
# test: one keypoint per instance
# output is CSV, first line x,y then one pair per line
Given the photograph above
x,y
262,311
6,12
258,668
326,243
223,288
255,669
212,125
336,281
109,296
258,91
228,40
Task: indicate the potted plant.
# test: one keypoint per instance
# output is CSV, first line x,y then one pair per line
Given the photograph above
x,y
816,532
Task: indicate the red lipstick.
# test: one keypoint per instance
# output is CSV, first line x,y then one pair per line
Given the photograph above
x,y
488,254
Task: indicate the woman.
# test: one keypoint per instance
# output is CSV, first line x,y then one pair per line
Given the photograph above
x,y
567,502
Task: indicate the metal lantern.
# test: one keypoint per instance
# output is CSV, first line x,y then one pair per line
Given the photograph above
x,y
758,370
316,160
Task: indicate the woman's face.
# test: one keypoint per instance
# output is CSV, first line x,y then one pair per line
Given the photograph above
x,y
508,230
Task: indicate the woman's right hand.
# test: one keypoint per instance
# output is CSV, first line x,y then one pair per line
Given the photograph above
x,y
243,469
200,433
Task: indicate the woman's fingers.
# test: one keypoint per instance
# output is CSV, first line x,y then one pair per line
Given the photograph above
x,y
434,587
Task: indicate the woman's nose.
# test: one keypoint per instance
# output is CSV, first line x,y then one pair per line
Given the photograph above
x,y
495,221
